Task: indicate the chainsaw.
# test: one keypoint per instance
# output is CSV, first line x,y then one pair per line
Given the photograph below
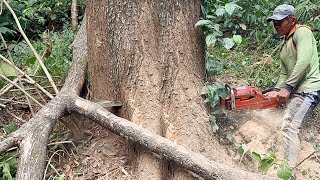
x,y
247,97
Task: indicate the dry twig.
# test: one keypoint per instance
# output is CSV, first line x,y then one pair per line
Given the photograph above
x,y
27,76
25,92
32,48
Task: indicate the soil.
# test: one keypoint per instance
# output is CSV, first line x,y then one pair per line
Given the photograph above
x,y
104,155
261,132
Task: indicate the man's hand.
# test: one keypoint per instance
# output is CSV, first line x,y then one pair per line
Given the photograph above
x,y
271,94
281,96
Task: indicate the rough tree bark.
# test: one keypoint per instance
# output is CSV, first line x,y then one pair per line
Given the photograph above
x,y
150,57
32,137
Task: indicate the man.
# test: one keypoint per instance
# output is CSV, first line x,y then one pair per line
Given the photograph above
x,y
299,78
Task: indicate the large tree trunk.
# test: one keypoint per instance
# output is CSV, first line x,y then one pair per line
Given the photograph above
x,y
32,136
149,56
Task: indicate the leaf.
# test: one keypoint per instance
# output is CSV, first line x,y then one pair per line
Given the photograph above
x,y
215,91
6,171
266,163
213,123
211,39
243,149
206,100
227,43
204,90
230,7
216,27
53,16
6,69
237,39
285,171
243,26
214,67
220,11
256,156
10,128
5,30
203,22
31,60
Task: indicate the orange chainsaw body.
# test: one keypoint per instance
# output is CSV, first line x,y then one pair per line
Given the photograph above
x,y
246,97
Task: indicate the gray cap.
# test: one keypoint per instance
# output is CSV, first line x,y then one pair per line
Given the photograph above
x,y
281,12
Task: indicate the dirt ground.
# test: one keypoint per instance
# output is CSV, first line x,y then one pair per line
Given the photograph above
x,y
104,155
261,132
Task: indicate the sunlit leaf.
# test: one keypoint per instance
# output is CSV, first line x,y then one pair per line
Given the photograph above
x,y
230,8
6,69
211,39
243,26
5,30
203,22
206,100
256,156
266,163
204,90
237,39
242,149
220,11
285,171
228,43
6,171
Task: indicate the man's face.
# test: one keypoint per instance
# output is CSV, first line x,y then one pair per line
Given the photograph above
x,y
284,26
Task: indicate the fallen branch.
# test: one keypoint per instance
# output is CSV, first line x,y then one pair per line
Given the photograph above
x,y
25,92
12,101
31,81
14,116
158,144
8,87
32,137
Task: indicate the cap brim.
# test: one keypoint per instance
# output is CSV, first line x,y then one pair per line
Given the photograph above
x,y
276,17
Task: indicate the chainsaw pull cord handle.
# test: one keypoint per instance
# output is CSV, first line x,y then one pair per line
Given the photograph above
x,y
233,98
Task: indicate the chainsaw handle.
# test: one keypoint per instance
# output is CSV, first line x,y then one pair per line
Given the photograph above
x,y
233,98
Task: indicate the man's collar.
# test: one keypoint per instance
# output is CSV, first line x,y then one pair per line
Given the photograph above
x,y
297,26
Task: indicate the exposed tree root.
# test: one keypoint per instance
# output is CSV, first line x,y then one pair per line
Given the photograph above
x,y
32,137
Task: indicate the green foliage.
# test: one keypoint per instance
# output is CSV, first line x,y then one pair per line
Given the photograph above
x,y
59,60
248,19
266,161
9,128
242,150
213,66
8,165
36,16
213,26
213,122
6,69
214,91
261,71
285,171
